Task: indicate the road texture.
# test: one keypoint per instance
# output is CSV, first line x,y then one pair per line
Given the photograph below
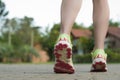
x,y
45,72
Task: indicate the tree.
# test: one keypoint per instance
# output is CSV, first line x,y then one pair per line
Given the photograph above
x,y
87,44
113,24
48,41
77,26
20,32
3,13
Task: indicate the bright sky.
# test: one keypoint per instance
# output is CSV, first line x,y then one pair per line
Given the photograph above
x,y
47,12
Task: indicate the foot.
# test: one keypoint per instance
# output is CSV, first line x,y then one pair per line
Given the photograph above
x,y
63,55
99,61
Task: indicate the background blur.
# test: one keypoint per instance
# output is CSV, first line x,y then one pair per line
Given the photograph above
x,y
29,29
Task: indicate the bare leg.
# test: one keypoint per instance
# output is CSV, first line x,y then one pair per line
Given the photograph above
x,y
100,22
63,47
69,11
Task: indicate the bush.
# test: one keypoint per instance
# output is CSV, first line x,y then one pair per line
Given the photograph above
x,y
20,54
86,58
113,57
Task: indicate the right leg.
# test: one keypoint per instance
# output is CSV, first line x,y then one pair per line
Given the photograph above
x,y
63,47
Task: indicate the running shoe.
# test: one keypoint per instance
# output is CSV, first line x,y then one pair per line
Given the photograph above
x,y
63,55
99,58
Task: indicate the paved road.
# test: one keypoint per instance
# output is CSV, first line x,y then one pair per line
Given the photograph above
x,y
45,72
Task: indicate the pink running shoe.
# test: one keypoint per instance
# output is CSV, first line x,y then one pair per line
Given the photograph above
x,y
99,61
63,55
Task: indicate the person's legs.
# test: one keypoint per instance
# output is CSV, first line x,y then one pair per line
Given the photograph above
x,y
100,23
63,47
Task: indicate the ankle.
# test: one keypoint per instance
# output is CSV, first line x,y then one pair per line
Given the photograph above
x,y
65,33
95,48
64,36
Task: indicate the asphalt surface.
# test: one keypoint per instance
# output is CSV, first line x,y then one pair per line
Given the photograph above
x,y
45,72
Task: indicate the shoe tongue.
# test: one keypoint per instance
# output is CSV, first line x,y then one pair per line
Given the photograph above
x,y
98,51
64,36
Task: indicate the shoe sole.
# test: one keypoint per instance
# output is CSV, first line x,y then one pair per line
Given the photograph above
x,y
99,66
61,65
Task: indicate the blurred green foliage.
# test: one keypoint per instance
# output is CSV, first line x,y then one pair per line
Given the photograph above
x,y
3,12
113,57
19,35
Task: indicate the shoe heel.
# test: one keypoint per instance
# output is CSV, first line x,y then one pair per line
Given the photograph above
x,y
62,65
99,67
